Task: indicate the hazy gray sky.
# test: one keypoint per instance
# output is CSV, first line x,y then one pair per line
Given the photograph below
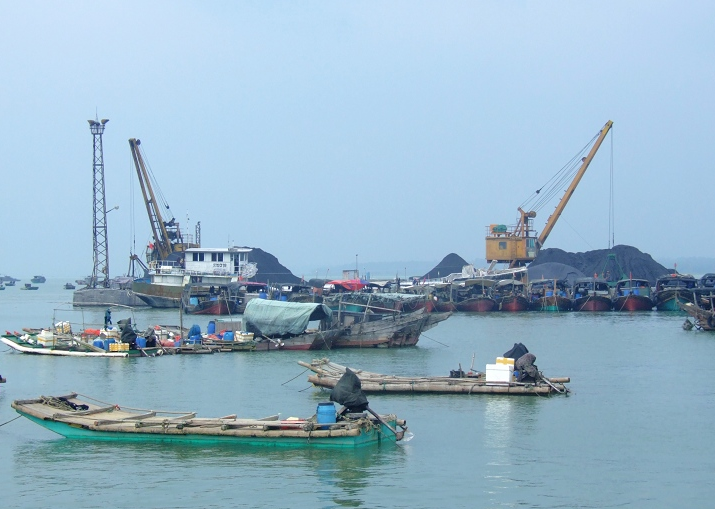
x,y
321,130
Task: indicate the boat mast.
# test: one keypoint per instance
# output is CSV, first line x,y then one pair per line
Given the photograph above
x,y
101,251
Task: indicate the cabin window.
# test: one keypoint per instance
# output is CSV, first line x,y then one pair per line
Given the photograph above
x,y
216,257
195,256
502,245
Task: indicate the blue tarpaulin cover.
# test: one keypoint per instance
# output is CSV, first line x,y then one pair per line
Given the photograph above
x,y
275,317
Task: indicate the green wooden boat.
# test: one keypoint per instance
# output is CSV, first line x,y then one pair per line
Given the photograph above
x,y
67,345
80,417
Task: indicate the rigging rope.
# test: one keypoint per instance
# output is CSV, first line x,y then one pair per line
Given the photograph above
x,y
611,211
556,183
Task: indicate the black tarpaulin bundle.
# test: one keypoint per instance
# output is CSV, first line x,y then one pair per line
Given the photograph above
x,y
128,334
516,351
348,392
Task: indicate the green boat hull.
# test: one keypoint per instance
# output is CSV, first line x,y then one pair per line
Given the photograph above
x,y
366,437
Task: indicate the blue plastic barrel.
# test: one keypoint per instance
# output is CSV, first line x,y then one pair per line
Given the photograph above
x,y
549,293
211,327
99,343
284,298
262,295
141,342
325,414
228,336
194,301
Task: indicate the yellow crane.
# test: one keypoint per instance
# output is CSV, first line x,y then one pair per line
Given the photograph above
x,y
519,244
168,239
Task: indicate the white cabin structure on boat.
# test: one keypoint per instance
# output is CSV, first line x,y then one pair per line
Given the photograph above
x,y
219,261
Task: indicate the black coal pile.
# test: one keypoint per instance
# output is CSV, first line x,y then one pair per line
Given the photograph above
x,y
449,264
613,264
269,268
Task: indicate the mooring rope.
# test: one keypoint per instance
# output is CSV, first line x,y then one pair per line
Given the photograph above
x,y
432,339
296,376
16,418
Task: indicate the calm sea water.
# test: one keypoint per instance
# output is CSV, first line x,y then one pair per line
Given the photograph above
x,y
635,432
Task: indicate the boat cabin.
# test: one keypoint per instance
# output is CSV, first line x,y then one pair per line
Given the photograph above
x,y
219,261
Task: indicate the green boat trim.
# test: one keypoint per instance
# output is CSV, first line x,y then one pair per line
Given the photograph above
x,y
76,417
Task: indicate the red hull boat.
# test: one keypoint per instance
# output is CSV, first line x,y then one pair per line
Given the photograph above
x,y
477,305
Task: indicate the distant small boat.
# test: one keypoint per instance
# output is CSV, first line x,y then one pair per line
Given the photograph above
x,y
28,286
38,279
9,282
2,286
69,286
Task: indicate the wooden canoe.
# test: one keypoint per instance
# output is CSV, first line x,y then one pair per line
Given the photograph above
x,y
81,417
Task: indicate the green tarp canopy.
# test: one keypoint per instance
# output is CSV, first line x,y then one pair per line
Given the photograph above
x,y
276,317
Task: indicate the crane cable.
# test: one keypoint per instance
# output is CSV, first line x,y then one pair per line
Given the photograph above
x,y
556,183
155,185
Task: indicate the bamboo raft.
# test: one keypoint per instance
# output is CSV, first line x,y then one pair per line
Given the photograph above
x,y
81,417
326,374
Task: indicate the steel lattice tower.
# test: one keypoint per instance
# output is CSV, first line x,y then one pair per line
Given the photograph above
x,y
101,250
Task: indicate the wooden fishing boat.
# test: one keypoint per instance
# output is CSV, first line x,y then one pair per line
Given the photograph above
x,y
549,295
326,374
704,319
72,346
591,294
209,299
80,417
632,294
377,302
28,286
64,347
510,295
474,295
282,325
69,286
370,330
705,292
439,297
671,290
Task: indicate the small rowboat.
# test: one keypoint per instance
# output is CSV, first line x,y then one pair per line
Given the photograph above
x,y
81,417
326,374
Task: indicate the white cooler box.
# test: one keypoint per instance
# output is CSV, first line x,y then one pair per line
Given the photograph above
x,y
498,374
